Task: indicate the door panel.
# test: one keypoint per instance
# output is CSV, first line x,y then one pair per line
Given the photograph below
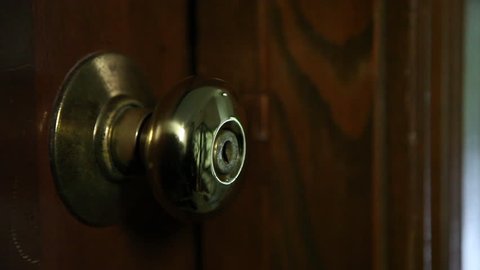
x,y
308,184
353,114
154,35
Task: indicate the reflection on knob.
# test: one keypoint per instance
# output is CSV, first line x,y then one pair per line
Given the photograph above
x,y
107,133
192,145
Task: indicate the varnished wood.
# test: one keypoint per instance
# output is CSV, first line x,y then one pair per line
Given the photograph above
x,y
154,35
306,200
421,66
407,130
447,132
377,94
354,131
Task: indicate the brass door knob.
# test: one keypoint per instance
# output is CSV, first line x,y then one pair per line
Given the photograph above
x,y
108,133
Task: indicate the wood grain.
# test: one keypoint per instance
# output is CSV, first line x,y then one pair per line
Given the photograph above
x,y
447,132
154,35
421,67
407,126
353,114
306,197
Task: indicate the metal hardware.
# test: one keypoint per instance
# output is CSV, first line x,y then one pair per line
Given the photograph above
x,y
107,136
226,154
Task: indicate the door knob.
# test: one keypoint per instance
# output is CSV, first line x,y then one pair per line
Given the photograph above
x,y
108,134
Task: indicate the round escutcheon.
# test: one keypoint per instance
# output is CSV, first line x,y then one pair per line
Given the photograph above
x,y
92,97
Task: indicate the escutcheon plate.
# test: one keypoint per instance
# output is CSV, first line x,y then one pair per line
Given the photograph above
x,y
92,95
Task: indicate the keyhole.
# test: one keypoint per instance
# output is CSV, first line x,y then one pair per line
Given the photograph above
x,y
226,155
227,151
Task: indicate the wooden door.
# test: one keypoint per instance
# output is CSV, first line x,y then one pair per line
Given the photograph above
x,y
353,120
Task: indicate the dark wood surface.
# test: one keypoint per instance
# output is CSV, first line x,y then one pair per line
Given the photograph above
x,y
406,88
353,114
447,132
20,241
361,165
306,199
421,75
154,35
